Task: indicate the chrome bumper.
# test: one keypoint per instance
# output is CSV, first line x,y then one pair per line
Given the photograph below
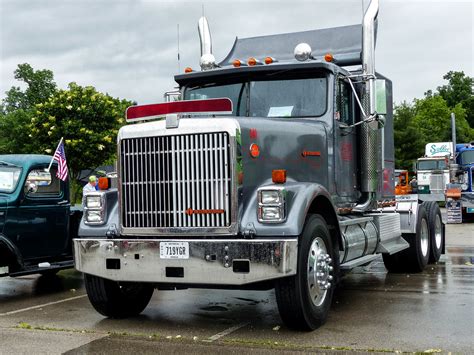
x,y
210,262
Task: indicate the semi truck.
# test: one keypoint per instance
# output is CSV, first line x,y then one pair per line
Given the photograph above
x,y
273,169
432,171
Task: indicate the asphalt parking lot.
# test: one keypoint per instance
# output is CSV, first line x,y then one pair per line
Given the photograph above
x,y
372,312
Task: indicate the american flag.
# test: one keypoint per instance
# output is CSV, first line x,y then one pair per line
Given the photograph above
x,y
60,157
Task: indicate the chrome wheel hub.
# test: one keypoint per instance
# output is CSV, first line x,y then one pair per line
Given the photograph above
x,y
319,271
424,237
438,232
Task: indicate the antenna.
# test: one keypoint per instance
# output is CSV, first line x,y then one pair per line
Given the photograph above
x,y
179,63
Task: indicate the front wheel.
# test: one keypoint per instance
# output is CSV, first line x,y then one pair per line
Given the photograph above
x,y
305,298
117,300
436,231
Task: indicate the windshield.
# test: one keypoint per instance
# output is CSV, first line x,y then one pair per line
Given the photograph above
x,y
274,97
9,176
432,165
467,157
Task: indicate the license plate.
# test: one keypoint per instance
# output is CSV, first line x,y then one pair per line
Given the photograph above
x,y
470,210
174,250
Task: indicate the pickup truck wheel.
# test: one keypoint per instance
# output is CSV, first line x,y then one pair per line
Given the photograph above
x,y
304,299
415,258
435,226
117,300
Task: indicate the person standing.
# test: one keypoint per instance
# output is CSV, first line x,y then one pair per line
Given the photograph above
x,y
89,187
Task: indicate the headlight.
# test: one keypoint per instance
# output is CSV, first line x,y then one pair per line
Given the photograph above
x,y
271,205
94,217
268,197
94,208
464,187
93,201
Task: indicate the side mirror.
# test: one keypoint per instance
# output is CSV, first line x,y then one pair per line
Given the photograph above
x,y
380,97
32,188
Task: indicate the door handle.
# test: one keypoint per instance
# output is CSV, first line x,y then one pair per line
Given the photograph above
x,y
63,202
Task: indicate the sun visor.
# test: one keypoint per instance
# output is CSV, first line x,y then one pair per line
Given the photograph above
x,y
344,43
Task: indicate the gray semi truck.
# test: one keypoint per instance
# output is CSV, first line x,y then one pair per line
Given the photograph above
x,y
273,169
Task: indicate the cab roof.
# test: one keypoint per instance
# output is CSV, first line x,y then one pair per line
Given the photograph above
x,y
26,160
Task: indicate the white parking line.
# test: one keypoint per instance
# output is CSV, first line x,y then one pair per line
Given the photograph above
x,y
225,332
41,305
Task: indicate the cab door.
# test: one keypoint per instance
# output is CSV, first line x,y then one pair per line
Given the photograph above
x,y
345,143
43,219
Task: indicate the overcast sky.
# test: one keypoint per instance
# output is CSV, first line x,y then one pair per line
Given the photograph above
x,y
129,48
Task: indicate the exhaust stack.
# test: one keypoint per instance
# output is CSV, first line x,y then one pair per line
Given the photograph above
x,y
208,61
370,134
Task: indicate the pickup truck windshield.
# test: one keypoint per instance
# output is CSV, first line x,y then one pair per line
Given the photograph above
x,y
432,165
293,97
9,176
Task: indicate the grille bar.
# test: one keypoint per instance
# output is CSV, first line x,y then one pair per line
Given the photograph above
x,y
176,181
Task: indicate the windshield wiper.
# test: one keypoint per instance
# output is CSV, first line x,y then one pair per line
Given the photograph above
x,y
4,163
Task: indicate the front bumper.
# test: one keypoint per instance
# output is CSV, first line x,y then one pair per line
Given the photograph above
x,y
210,262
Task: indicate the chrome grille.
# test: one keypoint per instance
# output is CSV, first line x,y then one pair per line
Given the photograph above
x,y
437,183
176,181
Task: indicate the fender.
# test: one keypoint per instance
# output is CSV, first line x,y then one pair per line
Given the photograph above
x,y
4,241
111,224
301,199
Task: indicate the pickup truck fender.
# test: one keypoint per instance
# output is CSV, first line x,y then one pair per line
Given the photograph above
x,y
13,255
301,198
110,226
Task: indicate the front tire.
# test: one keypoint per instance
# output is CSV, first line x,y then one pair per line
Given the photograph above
x,y
305,298
117,300
415,258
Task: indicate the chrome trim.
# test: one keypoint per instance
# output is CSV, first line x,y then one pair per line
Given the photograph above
x,y
188,126
210,261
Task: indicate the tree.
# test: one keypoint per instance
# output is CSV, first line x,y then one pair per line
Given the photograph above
x,y
408,144
39,87
459,91
88,121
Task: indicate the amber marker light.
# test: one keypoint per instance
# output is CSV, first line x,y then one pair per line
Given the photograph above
x,y
328,57
237,63
279,176
254,150
252,61
269,60
103,183
188,70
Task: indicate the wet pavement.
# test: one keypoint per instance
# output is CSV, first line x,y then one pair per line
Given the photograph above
x,y
372,311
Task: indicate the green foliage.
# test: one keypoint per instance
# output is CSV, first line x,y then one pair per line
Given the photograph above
x,y
429,119
459,91
39,87
13,135
88,121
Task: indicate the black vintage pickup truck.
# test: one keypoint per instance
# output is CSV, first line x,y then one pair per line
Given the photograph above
x,y
37,223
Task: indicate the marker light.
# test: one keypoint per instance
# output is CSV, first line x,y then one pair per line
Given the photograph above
x,y
103,183
302,52
328,57
237,63
252,61
269,60
188,70
254,150
279,176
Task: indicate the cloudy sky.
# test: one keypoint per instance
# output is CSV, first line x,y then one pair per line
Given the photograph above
x,y
129,48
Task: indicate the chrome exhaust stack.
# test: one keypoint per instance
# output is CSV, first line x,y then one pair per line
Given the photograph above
x,y
370,145
208,61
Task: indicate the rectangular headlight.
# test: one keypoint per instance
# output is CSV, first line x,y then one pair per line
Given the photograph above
x,y
271,197
94,216
93,201
272,214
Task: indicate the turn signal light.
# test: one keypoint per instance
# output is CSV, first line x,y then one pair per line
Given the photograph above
x,y
328,57
252,61
103,183
188,70
237,63
279,176
254,150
